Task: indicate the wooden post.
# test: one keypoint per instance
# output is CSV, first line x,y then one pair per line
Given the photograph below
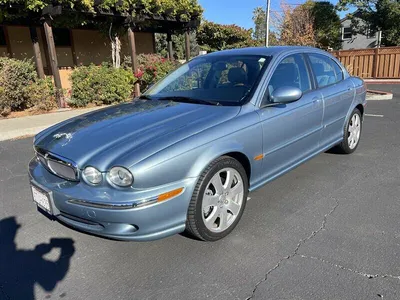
x,y
8,44
135,65
74,58
53,62
375,66
170,48
37,53
187,44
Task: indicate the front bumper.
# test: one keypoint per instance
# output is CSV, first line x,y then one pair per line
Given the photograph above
x,y
114,214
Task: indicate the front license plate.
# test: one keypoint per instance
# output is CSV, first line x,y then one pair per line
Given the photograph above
x,y
41,199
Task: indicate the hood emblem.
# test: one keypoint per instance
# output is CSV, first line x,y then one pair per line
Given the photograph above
x,y
67,136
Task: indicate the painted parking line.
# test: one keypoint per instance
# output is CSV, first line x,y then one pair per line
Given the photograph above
x,y
372,115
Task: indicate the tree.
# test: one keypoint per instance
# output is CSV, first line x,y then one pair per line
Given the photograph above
x,y
376,15
260,28
296,26
259,24
326,23
178,43
215,37
76,13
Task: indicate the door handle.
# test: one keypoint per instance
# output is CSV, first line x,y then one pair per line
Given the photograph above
x,y
349,88
317,100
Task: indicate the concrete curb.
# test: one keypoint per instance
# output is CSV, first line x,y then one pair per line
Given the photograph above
x,y
31,125
378,95
382,81
10,135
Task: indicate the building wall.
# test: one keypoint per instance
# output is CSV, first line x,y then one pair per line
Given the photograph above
x,y
93,47
20,42
88,46
3,51
358,41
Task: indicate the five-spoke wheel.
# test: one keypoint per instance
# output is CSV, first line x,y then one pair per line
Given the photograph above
x,y
352,133
219,200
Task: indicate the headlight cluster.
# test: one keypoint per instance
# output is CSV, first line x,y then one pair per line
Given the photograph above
x,y
117,175
120,176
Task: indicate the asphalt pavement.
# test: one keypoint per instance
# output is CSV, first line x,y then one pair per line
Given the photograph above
x,y
327,230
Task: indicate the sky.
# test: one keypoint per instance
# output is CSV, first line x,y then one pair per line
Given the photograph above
x,y
240,12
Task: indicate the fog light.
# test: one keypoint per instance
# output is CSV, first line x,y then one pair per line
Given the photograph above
x,y
92,175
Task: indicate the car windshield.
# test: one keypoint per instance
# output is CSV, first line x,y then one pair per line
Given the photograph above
x,y
214,80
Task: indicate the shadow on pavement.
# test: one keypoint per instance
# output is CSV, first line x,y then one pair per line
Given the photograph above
x,y
21,269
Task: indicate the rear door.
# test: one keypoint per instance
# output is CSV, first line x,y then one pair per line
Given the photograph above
x,y
337,92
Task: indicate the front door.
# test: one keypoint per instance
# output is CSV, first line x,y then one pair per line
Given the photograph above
x,y
290,131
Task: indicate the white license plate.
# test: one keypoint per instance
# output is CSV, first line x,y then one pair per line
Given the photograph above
x,y
41,199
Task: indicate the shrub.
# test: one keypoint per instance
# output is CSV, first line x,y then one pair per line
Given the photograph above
x,y
100,85
20,88
152,67
42,95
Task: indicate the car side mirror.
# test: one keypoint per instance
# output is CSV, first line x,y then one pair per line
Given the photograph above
x,y
285,94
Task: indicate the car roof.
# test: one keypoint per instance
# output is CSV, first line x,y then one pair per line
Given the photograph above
x,y
264,51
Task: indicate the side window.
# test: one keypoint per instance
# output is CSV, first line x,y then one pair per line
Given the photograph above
x,y
326,71
291,71
338,71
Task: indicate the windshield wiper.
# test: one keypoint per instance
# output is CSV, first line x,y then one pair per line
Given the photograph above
x,y
189,100
145,97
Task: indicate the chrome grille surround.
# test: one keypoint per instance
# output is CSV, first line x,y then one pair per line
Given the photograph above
x,y
57,165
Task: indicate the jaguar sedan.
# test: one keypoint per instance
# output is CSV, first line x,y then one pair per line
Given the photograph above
x,y
185,155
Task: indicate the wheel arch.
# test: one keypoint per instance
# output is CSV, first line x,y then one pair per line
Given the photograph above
x,y
360,107
243,160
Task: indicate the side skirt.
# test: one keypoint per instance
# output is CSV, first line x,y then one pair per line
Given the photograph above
x,y
259,185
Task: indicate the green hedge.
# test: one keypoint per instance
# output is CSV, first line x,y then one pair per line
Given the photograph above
x,y
21,89
100,85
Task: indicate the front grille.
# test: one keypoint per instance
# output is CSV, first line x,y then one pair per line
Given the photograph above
x,y
57,165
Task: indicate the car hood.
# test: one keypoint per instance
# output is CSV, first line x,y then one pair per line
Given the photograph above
x,y
135,130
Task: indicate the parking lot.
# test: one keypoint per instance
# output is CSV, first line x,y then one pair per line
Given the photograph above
x,y
330,229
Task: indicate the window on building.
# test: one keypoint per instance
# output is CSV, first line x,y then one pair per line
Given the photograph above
x,y
62,37
347,33
2,37
371,32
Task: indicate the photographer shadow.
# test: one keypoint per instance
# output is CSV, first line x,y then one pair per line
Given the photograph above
x,y
21,269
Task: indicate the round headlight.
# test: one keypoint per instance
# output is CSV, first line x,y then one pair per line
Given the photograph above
x,y
120,176
92,175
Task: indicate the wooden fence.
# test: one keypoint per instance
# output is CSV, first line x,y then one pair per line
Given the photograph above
x,y
371,63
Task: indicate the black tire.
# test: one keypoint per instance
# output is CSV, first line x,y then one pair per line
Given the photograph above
x,y
195,225
344,146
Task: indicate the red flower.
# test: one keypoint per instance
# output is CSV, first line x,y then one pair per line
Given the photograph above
x,y
139,74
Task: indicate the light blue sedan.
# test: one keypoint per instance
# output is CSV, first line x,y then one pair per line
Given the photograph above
x,y
185,155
